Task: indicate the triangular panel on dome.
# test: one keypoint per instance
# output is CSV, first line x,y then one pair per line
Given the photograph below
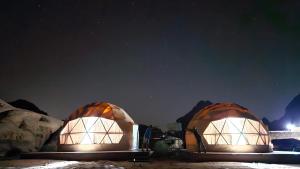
x,y
77,138
107,123
98,127
236,124
65,129
62,138
229,127
115,128
228,138
106,140
211,139
252,138
255,124
235,138
218,124
98,137
68,139
221,140
210,129
72,124
89,122
263,138
79,127
262,130
242,140
115,138
249,128
260,141
87,139
266,138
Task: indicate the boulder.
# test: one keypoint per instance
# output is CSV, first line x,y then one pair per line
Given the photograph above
x,y
24,130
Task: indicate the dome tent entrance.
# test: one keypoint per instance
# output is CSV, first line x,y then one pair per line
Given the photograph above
x,y
227,127
98,127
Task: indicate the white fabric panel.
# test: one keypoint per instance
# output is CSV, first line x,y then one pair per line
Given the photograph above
x,y
91,130
236,131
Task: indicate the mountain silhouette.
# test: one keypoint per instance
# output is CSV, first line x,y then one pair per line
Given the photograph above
x,y
291,116
24,104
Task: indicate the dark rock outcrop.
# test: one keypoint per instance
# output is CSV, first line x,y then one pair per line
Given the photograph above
x,y
292,115
184,120
292,111
24,104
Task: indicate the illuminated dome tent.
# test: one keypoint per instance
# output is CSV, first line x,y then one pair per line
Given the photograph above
x,y
98,127
227,127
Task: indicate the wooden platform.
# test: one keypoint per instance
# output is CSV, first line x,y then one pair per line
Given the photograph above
x,y
89,156
277,157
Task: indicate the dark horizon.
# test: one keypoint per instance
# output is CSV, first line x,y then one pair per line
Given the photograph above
x,y
155,59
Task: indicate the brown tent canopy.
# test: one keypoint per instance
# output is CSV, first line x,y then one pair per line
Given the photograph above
x,y
101,109
95,127
228,127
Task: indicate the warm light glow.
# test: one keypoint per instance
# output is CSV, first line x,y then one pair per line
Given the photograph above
x,y
91,130
236,131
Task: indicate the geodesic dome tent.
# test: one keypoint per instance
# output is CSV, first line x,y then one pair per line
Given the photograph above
x,y
97,127
227,127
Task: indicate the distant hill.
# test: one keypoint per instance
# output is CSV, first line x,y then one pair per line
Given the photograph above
x,y
292,115
24,104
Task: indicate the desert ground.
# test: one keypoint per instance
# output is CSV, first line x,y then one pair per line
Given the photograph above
x,y
55,164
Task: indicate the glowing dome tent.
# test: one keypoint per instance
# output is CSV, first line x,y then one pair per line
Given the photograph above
x,y
98,127
226,127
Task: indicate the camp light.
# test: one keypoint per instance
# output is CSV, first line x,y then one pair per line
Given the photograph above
x,y
290,126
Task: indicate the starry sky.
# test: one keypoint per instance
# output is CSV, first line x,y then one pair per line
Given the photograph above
x,y
154,58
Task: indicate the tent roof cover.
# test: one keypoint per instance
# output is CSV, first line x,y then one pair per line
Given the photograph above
x,y
220,110
101,109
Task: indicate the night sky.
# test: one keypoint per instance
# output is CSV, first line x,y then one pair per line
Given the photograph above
x,y
156,59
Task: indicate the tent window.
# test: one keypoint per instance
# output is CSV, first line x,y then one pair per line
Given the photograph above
x,y
236,131
91,130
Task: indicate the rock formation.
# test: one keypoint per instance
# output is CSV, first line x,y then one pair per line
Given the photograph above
x,y
292,116
24,104
184,120
24,130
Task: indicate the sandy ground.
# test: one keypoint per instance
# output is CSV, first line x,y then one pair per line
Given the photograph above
x,y
55,164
